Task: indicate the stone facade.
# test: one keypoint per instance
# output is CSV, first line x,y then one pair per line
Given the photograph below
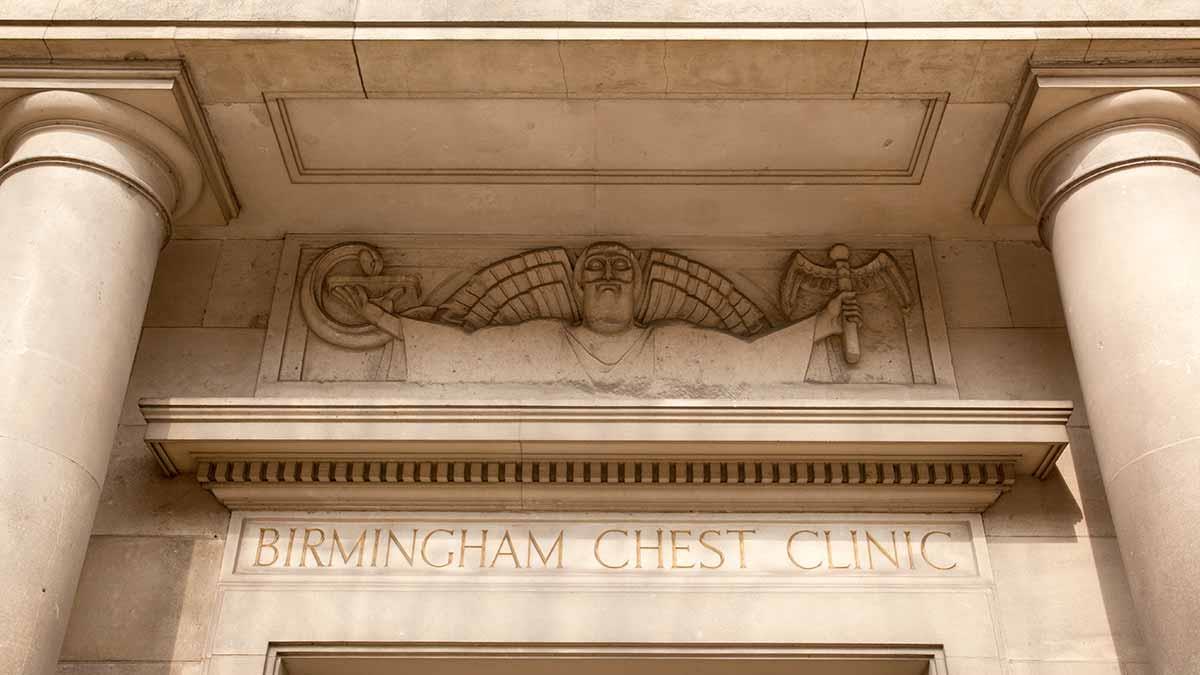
x,y
756,309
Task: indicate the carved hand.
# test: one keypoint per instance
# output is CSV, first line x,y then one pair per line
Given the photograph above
x,y
831,320
356,298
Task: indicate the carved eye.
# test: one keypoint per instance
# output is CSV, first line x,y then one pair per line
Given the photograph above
x,y
594,265
620,264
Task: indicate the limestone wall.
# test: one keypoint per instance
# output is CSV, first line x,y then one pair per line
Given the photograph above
x,y
145,600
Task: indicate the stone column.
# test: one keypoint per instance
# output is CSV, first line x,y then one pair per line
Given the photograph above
x,y
1116,184
87,189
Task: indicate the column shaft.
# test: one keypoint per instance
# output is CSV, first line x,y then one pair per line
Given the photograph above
x,y
1125,247
83,209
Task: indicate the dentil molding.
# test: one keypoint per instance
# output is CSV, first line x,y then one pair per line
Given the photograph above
x,y
911,456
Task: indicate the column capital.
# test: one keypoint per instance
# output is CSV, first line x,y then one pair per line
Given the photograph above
x,y
1104,134
72,111
97,133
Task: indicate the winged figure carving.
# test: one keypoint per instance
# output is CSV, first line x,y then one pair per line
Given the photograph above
x,y
607,289
608,300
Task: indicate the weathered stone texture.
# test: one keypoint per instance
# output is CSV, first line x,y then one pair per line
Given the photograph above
x,y
193,362
144,599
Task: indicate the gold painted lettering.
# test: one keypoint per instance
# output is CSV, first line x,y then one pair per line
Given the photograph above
x,y
791,557
912,560
462,549
741,545
596,548
676,549
408,555
532,545
854,547
287,561
511,552
925,552
375,548
829,553
306,546
360,545
893,557
262,531
425,549
714,549
637,534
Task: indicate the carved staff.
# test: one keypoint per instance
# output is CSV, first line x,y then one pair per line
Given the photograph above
x,y
804,275
840,255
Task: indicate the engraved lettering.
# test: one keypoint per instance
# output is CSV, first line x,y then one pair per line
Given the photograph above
x,y
829,553
714,549
741,534
596,549
425,549
308,546
893,557
360,545
462,549
262,544
401,549
287,562
925,552
792,558
637,534
533,545
676,549
511,552
408,555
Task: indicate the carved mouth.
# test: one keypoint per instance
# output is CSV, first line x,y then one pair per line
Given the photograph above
x,y
608,287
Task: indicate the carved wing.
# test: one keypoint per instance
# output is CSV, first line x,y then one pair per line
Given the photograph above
x,y
883,272
679,289
805,275
533,285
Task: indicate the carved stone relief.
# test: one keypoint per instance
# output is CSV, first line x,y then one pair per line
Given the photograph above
x,y
601,316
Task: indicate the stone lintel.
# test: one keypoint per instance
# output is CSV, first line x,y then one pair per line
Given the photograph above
x,y
909,456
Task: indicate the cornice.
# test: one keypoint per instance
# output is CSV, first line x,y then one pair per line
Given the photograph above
x,y
777,456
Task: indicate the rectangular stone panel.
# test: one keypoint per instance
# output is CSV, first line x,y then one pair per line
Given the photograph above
x,y
605,140
316,341
584,549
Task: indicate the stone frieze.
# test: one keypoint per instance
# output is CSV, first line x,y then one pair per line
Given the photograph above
x,y
606,316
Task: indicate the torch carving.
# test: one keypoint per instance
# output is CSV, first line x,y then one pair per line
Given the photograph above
x,y
882,272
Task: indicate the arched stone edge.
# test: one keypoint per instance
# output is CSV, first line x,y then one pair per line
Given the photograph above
x,y
52,107
1127,108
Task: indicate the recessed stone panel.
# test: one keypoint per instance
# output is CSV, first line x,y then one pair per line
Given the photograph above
x,y
707,321
551,549
606,140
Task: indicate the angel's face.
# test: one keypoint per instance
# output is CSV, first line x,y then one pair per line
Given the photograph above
x,y
606,277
